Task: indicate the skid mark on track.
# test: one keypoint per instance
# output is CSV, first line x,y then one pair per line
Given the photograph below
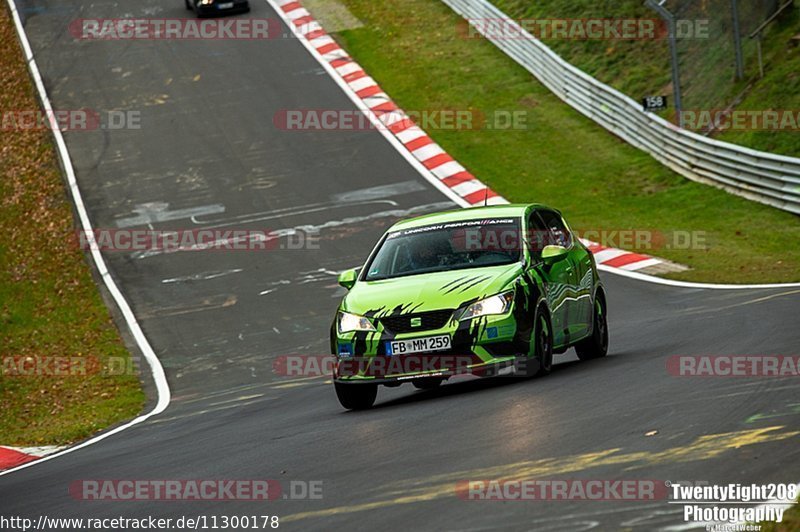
x,y
210,410
201,276
379,192
443,485
792,409
312,276
237,399
149,213
208,303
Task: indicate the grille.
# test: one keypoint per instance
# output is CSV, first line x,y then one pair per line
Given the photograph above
x,y
430,320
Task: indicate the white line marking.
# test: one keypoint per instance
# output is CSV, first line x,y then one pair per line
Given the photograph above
x,y
687,284
156,370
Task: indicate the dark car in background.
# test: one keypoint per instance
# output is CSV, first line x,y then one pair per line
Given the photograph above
x,y
205,8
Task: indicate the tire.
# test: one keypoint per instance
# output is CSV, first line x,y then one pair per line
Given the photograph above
x,y
542,343
189,5
596,345
356,396
427,383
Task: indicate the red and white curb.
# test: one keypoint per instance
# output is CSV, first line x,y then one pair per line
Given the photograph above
x,y
16,456
457,179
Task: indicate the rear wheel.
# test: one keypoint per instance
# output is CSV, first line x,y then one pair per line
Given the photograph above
x,y
427,383
356,396
595,346
189,5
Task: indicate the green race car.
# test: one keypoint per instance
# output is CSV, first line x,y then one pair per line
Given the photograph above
x,y
483,291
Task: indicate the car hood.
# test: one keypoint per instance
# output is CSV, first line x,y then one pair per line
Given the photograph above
x,y
430,291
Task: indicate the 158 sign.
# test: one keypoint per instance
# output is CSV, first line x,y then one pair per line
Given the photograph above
x,y
654,103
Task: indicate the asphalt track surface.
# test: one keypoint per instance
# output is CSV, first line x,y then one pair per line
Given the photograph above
x,y
218,320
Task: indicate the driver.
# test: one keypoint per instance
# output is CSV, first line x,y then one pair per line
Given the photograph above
x,y
428,253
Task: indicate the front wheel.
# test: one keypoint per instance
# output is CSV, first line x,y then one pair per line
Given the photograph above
x,y
595,346
541,363
356,396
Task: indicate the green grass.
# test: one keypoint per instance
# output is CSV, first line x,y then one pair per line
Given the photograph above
x,y
780,89
790,522
413,50
642,67
49,304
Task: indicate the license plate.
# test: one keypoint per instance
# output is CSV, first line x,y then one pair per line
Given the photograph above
x,y
418,345
226,5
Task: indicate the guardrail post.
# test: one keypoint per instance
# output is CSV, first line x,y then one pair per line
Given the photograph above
x,y
737,40
673,49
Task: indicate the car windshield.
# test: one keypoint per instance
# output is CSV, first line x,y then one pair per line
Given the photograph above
x,y
446,246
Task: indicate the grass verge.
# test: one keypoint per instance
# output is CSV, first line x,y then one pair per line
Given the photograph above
x,y
561,158
53,323
790,522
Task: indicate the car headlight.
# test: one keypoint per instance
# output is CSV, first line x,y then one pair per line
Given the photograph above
x,y
498,304
353,322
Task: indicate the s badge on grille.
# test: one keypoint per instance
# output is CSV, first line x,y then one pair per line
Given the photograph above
x,y
416,322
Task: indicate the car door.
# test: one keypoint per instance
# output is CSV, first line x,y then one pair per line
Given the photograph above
x,y
577,300
582,262
558,277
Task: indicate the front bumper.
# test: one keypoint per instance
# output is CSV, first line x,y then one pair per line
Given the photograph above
x,y
482,346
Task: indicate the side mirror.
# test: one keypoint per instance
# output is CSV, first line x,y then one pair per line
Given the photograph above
x,y
553,254
348,278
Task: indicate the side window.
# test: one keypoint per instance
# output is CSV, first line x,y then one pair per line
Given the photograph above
x,y
557,233
536,235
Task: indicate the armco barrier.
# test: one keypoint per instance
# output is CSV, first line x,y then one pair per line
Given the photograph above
x,y
759,176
